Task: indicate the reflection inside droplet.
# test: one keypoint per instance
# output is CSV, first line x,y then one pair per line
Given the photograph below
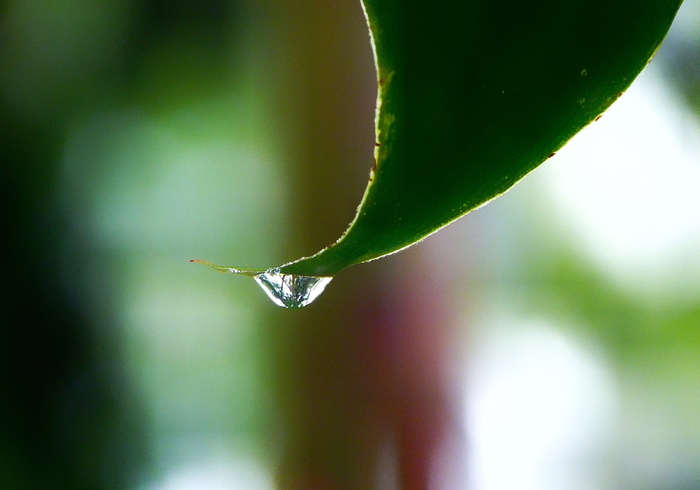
x,y
290,290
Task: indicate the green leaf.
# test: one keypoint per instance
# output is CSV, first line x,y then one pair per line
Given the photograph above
x,y
473,95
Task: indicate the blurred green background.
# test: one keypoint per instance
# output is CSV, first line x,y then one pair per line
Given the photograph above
x,y
549,340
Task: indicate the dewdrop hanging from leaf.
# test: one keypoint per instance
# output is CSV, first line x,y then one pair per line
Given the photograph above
x,y
473,95
287,290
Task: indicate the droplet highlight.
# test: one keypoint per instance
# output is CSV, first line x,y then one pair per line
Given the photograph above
x,y
291,290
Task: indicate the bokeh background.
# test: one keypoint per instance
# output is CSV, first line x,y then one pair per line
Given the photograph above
x,y
549,340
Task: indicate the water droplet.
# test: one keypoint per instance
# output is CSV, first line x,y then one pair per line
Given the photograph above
x,y
291,290
286,290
